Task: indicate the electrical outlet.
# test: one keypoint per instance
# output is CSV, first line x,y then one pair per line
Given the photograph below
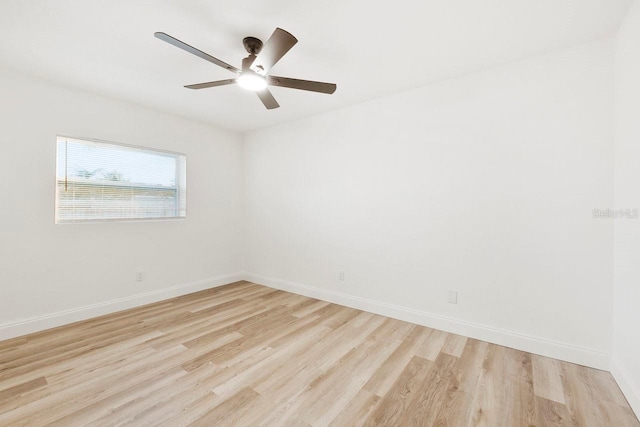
x,y
139,276
453,297
341,276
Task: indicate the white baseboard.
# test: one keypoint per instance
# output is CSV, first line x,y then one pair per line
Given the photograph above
x,y
531,344
629,389
40,323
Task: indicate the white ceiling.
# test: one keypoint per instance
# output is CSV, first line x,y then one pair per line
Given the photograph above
x,y
370,48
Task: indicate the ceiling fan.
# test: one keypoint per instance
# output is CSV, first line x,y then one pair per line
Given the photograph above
x,y
254,74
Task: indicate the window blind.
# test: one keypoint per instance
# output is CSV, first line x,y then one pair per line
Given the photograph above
x,y
99,181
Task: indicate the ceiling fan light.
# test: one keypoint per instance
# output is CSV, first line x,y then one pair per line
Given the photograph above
x,y
252,82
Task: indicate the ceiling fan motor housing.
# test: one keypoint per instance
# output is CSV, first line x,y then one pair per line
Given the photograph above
x,y
253,45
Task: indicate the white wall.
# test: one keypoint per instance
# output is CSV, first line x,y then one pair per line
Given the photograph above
x,y
626,358
47,269
483,184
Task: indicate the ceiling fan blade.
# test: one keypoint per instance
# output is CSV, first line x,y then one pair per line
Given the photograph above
x,y
177,43
302,84
267,99
275,48
211,84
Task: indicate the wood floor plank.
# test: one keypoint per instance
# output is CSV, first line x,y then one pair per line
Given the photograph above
x,y
547,380
521,376
582,387
382,380
86,364
430,394
185,333
606,387
259,365
309,309
301,371
456,409
395,403
157,404
63,380
54,406
114,403
244,354
454,345
228,412
18,390
431,348
492,403
551,413
357,410
330,393
192,412
13,343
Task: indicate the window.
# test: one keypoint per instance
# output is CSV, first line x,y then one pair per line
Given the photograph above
x,y
97,181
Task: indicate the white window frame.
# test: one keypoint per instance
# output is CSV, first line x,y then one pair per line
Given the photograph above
x,y
181,184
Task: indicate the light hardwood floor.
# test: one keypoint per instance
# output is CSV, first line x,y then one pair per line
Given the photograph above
x,y
247,355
